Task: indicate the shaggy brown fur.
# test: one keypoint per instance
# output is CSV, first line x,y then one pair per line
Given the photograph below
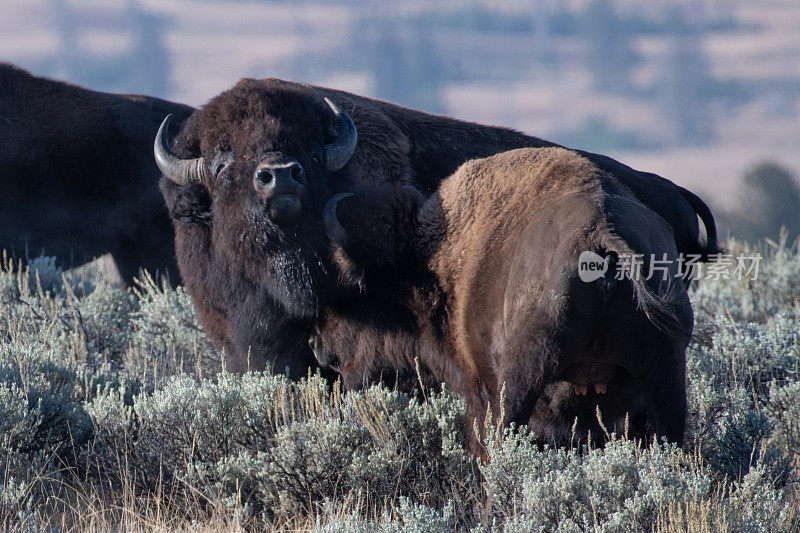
x,y
482,286
78,178
257,287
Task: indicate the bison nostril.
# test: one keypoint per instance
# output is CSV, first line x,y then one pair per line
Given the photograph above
x,y
264,176
298,174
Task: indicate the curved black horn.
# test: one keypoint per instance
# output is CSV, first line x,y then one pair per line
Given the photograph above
x,y
334,228
340,151
181,171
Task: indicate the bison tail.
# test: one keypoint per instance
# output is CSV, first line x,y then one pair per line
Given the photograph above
x,y
711,245
657,305
645,255
664,310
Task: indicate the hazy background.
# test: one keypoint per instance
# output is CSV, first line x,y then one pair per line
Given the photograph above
x,y
700,91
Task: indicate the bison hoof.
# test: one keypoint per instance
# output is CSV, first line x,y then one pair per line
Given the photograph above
x,y
581,389
600,388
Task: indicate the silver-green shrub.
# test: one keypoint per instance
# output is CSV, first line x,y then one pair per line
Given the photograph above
x,y
104,388
272,446
406,517
167,336
43,424
618,488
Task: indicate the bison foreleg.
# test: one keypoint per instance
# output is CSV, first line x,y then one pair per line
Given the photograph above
x,y
666,400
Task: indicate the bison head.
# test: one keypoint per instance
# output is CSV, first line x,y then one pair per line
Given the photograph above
x,y
267,156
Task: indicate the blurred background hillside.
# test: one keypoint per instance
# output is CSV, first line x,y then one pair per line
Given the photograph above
x,y
704,92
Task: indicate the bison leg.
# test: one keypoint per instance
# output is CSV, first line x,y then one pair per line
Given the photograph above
x,y
264,337
666,400
156,258
524,379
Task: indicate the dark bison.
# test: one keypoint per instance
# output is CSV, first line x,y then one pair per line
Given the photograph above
x,y
78,175
478,288
246,179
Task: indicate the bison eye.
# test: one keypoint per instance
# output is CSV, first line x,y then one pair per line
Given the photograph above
x,y
220,167
298,173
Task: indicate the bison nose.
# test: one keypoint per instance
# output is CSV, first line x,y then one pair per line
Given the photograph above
x,y
281,185
272,179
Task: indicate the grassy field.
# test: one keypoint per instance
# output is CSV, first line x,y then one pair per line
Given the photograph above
x,y
113,417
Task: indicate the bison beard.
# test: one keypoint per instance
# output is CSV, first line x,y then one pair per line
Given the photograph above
x,y
480,284
247,211
395,145
79,179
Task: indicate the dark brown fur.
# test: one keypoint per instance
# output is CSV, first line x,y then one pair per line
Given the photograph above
x,y
482,287
78,178
236,270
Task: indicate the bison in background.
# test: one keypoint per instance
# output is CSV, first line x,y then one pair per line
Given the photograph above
x,y
78,175
246,179
480,283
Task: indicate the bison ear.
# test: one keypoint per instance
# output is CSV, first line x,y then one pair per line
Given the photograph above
x,y
187,204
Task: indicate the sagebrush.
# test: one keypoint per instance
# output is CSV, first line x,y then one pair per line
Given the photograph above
x,y
113,414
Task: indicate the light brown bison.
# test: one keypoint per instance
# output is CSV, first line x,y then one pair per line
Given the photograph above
x,y
480,284
246,180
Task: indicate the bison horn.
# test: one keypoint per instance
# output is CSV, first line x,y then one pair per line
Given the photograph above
x,y
334,228
340,151
181,171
